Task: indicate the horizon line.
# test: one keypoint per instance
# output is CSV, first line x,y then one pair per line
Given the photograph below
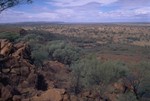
x,y
63,22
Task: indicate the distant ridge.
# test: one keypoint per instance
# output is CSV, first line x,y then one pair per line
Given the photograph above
x,y
32,23
40,23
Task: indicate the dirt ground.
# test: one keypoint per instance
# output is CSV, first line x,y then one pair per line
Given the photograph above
x,y
123,57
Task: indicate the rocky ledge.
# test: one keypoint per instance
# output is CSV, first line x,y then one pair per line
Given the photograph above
x,y
20,80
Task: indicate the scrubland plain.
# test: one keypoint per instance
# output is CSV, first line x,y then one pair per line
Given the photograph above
x,y
75,62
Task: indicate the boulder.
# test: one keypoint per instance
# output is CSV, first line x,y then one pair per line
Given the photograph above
x,y
5,47
74,98
16,98
66,97
51,95
15,61
6,93
119,87
55,66
22,50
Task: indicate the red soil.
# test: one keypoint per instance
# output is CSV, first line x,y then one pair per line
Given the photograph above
x,y
121,57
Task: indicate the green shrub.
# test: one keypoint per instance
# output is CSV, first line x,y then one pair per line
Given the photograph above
x,y
143,78
140,79
9,35
62,52
31,38
54,50
127,97
112,71
39,56
38,52
89,71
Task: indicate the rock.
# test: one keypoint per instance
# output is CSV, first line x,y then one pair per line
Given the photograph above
x,y
86,94
5,47
6,93
119,87
25,71
31,79
55,66
24,84
6,70
66,97
74,98
25,100
17,67
11,62
22,50
112,97
50,95
16,98
3,42
29,83
28,92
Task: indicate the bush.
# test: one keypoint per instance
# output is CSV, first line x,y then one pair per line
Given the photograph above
x,y
113,70
62,52
39,56
143,78
9,35
140,80
55,50
127,97
31,38
89,71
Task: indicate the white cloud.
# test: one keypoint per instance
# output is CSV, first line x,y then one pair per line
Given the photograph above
x,y
132,4
74,3
17,16
65,13
78,14
143,10
44,15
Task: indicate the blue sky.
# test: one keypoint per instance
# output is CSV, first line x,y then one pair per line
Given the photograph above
x,y
79,11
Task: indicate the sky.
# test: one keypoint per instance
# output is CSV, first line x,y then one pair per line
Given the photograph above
x,y
79,11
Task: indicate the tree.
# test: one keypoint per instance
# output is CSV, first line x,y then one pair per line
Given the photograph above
x,y
5,4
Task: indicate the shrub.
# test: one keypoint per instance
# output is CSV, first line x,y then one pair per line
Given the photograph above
x,y
9,35
140,80
89,71
31,38
127,97
62,52
55,50
39,56
112,71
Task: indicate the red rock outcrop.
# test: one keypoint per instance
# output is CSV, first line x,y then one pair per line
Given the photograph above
x,y
5,47
20,80
52,95
16,67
